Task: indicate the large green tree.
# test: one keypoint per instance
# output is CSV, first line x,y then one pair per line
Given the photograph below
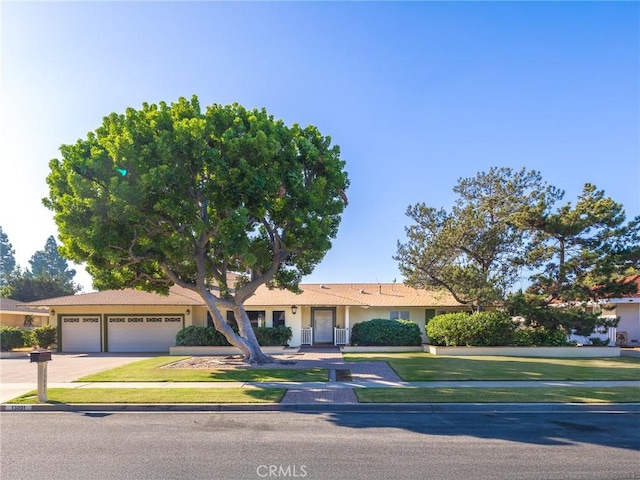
x,y
473,251
49,261
49,277
7,258
172,194
578,253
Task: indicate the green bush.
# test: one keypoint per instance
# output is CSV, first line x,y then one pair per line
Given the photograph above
x,y
200,337
27,338
384,332
479,329
10,338
44,336
273,336
209,337
540,337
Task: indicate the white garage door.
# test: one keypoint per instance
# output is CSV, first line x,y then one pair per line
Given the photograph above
x,y
80,334
142,333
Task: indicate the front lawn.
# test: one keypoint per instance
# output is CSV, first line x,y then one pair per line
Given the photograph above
x,y
424,367
499,395
150,370
155,395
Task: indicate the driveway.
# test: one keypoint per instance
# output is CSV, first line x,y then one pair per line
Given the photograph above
x,y
19,375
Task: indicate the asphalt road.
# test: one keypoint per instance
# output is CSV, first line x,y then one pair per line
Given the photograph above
x,y
340,445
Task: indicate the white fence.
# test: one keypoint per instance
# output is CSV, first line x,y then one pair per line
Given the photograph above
x,y
340,336
307,336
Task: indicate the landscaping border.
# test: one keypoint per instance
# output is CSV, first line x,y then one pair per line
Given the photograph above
x,y
558,352
380,349
214,351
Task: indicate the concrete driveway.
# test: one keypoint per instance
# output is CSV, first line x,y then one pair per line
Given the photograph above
x,y
19,375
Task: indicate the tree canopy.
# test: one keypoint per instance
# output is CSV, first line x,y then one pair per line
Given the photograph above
x,y
7,258
49,277
505,224
473,251
171,194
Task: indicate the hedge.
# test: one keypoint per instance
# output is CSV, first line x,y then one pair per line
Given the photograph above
x,y
209,337
44,336
540,337
10,338
480,329
384,332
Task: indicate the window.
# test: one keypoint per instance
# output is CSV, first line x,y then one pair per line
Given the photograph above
x,y
399,315
429,313
278,318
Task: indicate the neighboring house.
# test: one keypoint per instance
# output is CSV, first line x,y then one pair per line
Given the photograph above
x,y
14,314
136,321
627,308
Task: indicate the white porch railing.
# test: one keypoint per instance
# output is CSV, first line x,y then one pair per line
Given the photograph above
x,y
613,336
340,336
307,336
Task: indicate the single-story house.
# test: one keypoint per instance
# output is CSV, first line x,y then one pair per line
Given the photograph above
x,y
135,321
14,314
627,308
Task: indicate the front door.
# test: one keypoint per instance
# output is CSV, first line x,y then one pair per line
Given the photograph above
x,y
323,322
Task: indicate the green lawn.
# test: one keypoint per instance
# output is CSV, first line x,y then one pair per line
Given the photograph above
x,y
424,367
155,395
150,370
497,395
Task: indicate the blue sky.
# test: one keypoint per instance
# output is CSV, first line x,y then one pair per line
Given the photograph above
x,y
417,95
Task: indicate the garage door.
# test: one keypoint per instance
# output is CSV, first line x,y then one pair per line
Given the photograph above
x,y
80,334
142,333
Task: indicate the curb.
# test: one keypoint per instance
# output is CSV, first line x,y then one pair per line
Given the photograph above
x,y
336,407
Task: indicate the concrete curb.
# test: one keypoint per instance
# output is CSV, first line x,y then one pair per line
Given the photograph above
x,y
336,407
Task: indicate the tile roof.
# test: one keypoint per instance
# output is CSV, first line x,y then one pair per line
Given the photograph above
x,y
355,294
8,305
128,296
633,279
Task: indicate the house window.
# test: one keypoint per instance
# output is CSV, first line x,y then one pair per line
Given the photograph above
x,y
429,313
278,318
399,315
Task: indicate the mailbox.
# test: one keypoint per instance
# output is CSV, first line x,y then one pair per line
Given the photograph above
x,y
40,356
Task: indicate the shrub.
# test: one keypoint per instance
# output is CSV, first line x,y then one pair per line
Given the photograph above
x,y
384,332
209,337
273,336
44,336
200,337
540,337
479,329
10,338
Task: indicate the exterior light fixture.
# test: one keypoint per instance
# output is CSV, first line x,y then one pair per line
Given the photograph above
x,y
53,312
294,309
188,312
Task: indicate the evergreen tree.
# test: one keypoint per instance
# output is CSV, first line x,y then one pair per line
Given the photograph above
x,y
7,258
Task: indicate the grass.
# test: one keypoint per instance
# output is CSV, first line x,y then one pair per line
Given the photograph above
x,y
424,367
155,395
150,370
498,395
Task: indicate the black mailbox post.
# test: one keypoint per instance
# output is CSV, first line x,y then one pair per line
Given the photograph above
x,y
41,357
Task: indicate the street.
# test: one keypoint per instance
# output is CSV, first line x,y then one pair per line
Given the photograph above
x,y
349,445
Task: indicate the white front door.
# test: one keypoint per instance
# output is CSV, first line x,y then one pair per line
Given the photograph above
x,y
323,326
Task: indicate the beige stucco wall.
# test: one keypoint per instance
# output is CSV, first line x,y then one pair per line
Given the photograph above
x,y
629,321
17,320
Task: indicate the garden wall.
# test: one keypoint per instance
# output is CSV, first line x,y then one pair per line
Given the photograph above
x,y
558,352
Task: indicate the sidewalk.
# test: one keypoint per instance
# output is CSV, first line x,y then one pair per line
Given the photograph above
x,y
338,390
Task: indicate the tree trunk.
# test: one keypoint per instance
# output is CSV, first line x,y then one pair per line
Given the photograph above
x,y
247,334
246,342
